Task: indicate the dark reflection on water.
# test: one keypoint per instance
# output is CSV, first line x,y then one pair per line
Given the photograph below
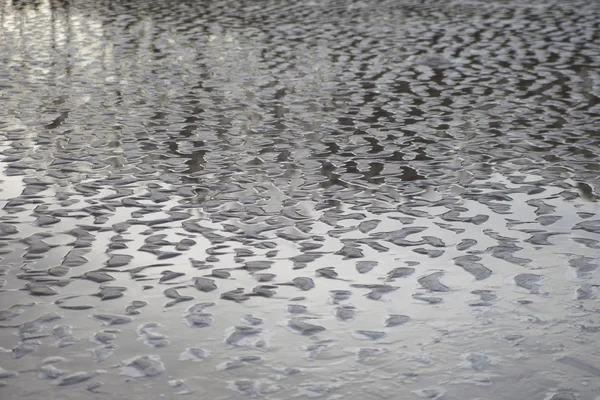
x,y
334,199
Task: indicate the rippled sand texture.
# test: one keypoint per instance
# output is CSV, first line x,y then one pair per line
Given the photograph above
x,y
289,199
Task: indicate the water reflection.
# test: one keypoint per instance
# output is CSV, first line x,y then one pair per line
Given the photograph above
x,y
400,194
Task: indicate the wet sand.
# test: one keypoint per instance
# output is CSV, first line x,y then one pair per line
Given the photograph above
x,y
275,199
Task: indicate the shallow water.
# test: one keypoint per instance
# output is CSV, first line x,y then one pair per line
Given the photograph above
x,y
277,199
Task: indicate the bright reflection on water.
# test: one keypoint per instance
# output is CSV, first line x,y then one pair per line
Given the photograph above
x,y
276,199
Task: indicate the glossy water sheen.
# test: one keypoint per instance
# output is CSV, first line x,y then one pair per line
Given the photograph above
x,y
294,199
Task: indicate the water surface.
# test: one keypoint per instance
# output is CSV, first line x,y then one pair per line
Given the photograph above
x,y
294,199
